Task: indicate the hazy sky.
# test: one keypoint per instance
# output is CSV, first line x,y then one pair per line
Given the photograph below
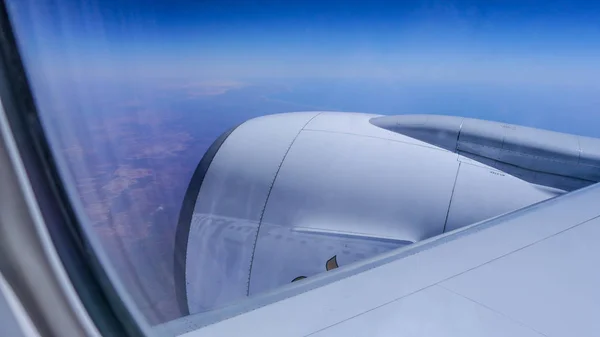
x,y
530,42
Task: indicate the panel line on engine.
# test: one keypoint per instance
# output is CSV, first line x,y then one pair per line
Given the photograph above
x,y
262,213
451,196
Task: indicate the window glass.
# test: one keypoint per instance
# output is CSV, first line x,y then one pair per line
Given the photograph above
x,y
149,102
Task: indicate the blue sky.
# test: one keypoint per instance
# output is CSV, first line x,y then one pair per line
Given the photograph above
x,y
513,42
528,62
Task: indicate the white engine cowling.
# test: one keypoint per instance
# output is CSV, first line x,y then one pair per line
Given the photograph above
x,y
287,196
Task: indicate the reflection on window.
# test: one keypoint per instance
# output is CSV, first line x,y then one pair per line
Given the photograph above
x,y
199,190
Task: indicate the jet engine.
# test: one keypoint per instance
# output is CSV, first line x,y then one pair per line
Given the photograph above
x,y
283,197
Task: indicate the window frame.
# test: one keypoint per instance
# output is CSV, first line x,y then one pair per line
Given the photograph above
x,y
105,301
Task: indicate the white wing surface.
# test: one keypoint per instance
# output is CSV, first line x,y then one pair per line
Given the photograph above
x,y
533,272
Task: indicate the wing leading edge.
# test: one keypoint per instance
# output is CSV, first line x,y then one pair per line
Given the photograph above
x,y
532,272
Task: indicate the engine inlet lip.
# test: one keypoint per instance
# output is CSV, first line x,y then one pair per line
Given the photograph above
x,y
182,231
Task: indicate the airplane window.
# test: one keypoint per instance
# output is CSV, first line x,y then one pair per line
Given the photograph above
x,y
221,150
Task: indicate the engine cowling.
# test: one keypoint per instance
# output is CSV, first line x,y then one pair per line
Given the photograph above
x,y
287,196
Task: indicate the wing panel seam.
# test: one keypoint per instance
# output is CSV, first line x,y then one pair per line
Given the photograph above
x,y
521,248
492,309
448,278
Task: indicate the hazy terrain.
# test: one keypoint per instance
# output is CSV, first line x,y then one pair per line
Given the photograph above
x,y
132,148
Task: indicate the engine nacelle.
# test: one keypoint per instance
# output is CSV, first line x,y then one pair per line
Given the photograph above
x,y
288,196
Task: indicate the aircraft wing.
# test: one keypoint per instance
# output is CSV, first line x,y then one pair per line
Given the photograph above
x,y
532,272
